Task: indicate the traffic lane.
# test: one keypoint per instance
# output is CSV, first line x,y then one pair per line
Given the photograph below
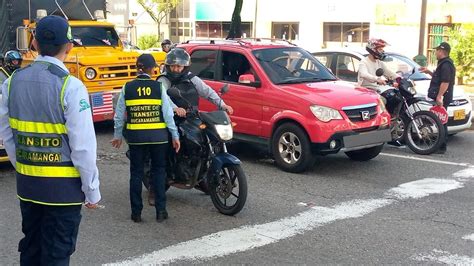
x,y
398,234
393,235
273,194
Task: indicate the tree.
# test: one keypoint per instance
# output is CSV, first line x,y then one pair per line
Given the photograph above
x,y
148,41
158,9
235,30
462,52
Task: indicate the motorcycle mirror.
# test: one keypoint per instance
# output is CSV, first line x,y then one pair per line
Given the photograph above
x,y
379,72
224,89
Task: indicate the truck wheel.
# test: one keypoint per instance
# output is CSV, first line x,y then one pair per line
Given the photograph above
x,y
291,149
365,154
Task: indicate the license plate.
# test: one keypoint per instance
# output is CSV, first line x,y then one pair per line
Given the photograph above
x,y
367,138
460,114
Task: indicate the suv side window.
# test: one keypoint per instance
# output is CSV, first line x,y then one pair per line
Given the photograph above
x,y
325,59
234,65
346,68
203,63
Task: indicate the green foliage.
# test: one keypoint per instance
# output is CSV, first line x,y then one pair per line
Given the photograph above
x,y
158,9
462,50
148,41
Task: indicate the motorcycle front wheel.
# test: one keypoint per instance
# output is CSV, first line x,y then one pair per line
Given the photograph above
x,y
229,190
432,133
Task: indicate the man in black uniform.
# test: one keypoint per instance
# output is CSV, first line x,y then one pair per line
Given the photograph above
x,y
441,86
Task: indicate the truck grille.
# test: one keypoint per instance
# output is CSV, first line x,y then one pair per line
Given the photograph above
x,y
361,113
124,71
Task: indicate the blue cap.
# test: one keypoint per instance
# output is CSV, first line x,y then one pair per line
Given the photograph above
x,y
53,30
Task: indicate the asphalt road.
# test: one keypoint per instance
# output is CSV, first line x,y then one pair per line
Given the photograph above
x,y
395,209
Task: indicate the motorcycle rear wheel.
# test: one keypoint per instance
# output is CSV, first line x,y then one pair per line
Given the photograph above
x,y
432,133
230,186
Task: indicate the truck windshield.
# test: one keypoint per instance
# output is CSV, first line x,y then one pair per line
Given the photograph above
x,y
291,65
95,36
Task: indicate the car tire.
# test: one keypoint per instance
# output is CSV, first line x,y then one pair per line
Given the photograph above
x,y
365,154
291,148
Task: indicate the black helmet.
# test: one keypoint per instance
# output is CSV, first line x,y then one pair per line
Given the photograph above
x,y
166,45
177,56
166,42
11,56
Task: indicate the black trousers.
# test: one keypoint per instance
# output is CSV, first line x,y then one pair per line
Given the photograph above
x,y
158,153
50,233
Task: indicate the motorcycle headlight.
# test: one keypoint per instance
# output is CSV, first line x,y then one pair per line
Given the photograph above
x,y
225,132
90,73
412,90
325,114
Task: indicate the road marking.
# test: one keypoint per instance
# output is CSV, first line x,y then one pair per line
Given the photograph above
x,y
249,237
425,159
469,237
440,256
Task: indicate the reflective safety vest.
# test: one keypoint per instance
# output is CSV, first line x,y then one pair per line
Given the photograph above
x,y
145,123
44,170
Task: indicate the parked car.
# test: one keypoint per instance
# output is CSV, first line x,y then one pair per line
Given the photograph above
x,y
286,100
344,63
3,154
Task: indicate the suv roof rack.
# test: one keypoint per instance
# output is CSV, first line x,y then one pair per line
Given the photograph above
x,y
267,40
241,41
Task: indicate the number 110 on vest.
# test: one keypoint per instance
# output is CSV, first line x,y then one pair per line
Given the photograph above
x,y
144,91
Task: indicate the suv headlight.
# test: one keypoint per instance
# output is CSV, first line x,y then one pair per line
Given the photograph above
x,y
325,114
90,73
225,132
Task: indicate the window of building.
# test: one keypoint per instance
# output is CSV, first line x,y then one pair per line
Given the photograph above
x,y
220,29
285,30
204,63
352,32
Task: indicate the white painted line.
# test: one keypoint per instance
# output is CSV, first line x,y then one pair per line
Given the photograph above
x,y
425,159
469,237
249,237
423,187
439,256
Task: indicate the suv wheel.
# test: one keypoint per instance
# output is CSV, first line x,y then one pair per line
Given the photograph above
x,y
291,148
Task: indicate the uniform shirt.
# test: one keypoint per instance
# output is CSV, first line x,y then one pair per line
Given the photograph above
x,y
366,73
445,72
166,108
80,131
202,88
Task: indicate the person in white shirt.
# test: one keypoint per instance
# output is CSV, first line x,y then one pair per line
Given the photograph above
x,y
369,65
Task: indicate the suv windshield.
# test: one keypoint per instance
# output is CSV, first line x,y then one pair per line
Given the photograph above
x,y
94,36
404,65
291,65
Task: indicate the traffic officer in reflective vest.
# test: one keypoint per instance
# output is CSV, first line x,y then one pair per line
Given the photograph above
x,y
46,124
147,109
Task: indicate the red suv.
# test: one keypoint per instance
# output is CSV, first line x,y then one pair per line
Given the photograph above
x,y
287,100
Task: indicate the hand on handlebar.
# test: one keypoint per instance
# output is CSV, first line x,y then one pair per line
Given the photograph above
x,y
381,81
227,108
180,111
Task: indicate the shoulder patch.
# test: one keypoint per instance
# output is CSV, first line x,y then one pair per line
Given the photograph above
x,y
84,105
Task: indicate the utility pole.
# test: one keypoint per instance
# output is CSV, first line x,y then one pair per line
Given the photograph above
x,y
421,42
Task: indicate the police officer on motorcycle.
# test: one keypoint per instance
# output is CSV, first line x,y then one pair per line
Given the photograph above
x,y
12,61
191,87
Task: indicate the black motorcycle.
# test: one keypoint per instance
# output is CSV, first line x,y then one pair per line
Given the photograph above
x,y
203,161
421,130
